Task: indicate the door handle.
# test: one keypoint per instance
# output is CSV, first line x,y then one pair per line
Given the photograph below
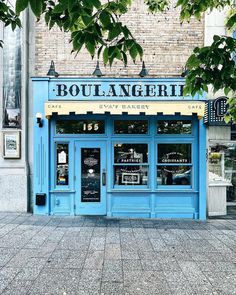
x,y
104,177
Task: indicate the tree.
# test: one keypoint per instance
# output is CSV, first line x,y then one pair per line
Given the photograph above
x,y
97,26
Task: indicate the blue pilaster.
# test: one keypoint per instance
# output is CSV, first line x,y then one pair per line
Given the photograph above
x,y
41,146
202,170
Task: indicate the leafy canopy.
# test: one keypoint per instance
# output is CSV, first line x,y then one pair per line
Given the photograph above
x,y
97,26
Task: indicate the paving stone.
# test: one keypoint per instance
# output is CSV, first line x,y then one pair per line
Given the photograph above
x,y
94,260
97,244
130,254
112,288
8,273
85,288
18,287
112,271
3,284
113,251
131,264
151,265
28,274
91,275
145,282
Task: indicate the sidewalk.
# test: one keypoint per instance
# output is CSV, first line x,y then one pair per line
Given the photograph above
x,y
95,255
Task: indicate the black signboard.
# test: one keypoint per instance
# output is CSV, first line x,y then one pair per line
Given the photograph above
x,y
90,175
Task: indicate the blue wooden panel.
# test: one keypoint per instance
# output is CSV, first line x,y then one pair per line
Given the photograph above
x,y
41,148
62,204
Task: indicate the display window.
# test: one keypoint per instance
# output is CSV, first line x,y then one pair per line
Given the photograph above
x,y
130,164
174,164
62,164
131,127
174,127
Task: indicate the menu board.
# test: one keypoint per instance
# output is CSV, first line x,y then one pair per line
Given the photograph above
x,y
90,175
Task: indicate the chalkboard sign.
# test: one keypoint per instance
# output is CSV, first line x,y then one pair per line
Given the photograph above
x,y
90,175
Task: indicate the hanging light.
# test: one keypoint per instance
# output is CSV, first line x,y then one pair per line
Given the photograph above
x,y
184,72
144,71
97,72
52,71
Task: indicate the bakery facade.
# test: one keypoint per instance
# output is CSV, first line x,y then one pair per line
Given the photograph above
x,y
118,147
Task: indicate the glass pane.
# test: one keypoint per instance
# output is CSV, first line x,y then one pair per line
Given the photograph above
x,y
174,153
90,175
62,164
174,175
130,175
130,127
12,75
131,153
222,167
80,127
174,127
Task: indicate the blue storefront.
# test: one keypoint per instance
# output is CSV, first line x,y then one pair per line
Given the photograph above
x,y
121,147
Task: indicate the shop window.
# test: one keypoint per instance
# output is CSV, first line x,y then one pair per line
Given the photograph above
x,y
174,164
80,127
62,168
174,175
131,164
222,167
130,127
174,127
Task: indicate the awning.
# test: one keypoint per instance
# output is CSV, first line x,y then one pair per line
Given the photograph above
x,y
185,108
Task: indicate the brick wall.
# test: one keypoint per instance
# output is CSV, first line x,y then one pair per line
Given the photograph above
x,y
166,43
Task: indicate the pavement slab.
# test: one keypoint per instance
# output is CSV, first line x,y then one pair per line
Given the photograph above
x,y
58,255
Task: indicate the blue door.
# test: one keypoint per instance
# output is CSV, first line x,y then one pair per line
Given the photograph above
x,y
90,178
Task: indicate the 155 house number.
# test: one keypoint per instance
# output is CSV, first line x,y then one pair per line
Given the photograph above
x,y
90,126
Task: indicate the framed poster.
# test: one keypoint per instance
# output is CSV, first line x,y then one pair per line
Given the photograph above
x,y
130,178
11,144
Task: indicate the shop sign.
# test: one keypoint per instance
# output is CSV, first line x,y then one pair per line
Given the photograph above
x,y
118,89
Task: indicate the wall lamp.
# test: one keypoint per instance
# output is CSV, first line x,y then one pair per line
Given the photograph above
x,y
52,70
184,72
39,119
97,72
144,71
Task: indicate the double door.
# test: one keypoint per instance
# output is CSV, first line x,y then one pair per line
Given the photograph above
x,y
90,178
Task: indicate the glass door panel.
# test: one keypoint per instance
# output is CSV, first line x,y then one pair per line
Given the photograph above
x,y
90,178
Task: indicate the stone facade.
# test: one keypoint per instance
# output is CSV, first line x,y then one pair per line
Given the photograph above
x,y
167,44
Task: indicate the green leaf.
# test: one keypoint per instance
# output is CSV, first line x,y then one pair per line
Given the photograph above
x,y
96,3
21,5
227,118
216,38
105,56
124,58
105,18
114,31
99,51
87,19
70,5
140,50
133,52
59,8
192,62
36,6
88,4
